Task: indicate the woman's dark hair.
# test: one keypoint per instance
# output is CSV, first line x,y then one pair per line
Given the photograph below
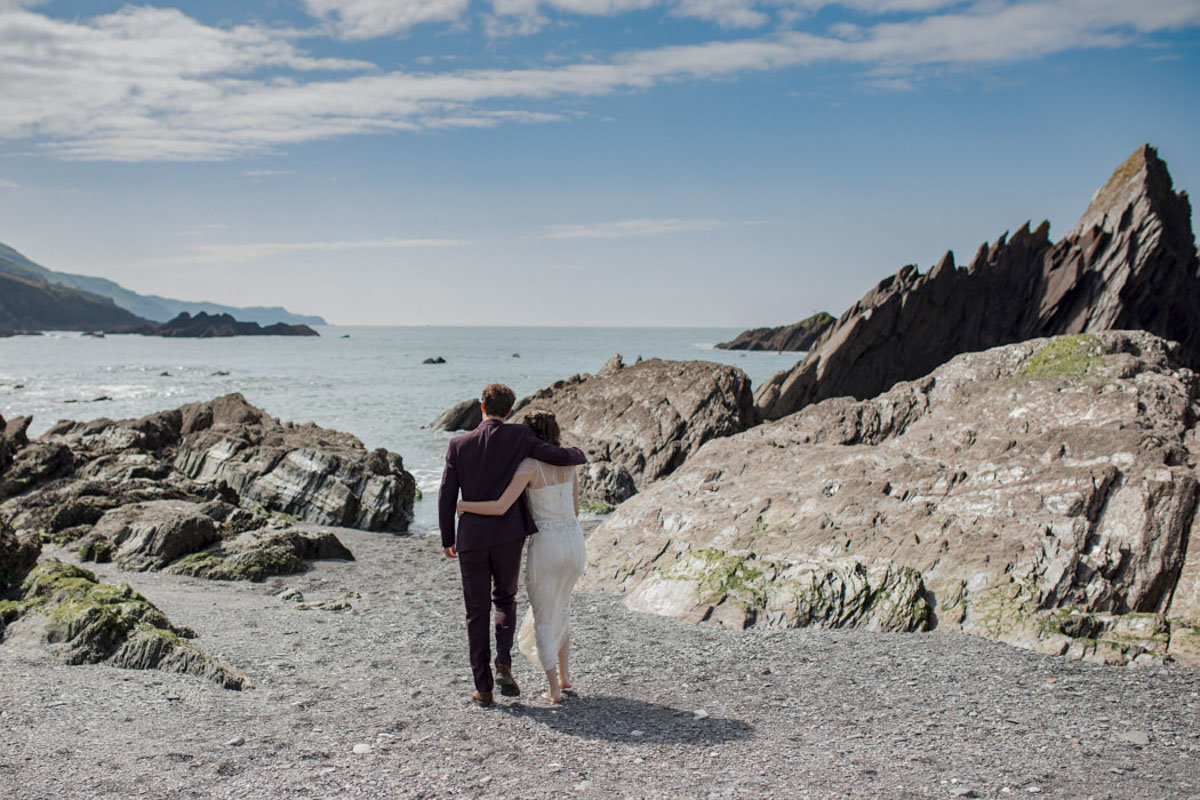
x,y
544,425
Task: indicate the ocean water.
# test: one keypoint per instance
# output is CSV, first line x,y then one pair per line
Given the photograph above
x,y
368,381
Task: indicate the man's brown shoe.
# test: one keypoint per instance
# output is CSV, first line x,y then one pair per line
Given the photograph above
x,y
504,679
483,699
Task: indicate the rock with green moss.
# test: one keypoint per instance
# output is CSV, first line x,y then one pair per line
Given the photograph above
x,y
87,622
257,555
151,535
1041,494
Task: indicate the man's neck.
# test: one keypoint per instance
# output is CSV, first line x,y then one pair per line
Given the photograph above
x,y
489,416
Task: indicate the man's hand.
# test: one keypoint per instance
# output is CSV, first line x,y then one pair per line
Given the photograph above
x,y
451,551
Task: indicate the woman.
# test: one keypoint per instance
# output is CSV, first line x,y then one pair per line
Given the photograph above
x,y
554,558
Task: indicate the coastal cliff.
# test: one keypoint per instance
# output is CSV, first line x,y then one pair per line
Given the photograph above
x,y
788,338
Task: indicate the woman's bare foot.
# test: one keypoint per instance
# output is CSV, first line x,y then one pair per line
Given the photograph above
x,y
549,698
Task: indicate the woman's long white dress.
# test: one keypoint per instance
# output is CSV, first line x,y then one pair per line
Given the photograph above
x,y
554,559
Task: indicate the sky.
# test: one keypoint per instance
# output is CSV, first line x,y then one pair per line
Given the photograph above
x,y
735,163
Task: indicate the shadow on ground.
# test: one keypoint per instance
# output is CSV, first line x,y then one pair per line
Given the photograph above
x,y
619,719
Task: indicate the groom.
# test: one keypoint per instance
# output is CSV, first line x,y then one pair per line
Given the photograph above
x,y
481,464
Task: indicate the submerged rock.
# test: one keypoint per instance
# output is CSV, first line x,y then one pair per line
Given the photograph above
x,y
1130,263
640,422
82,621
1042,494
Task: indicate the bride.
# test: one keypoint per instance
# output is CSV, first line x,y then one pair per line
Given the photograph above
x,y
554,558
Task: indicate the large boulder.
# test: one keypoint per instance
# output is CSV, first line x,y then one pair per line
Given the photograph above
x,y
1130,263
798,337
259,554
639,423
151,535
1041,493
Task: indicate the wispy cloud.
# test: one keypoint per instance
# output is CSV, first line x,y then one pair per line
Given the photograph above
x,y
152,84
257,251
632,227
267,173
6,184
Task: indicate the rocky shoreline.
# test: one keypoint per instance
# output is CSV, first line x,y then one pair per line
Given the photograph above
x,y
372,701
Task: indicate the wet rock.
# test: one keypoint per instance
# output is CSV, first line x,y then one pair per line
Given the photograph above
x,y
1042,494
1130,263
434,360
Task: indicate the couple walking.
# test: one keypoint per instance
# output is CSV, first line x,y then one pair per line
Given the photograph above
x,y
493,466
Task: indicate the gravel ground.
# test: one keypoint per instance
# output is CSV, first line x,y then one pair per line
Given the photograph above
x,y
374,702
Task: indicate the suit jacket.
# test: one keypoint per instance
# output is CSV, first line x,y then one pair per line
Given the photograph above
x,y
481,464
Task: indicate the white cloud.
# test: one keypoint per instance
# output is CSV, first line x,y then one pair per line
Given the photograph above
x,y
267,173
257,251
366,19
4,184
147,84
632,227
726,13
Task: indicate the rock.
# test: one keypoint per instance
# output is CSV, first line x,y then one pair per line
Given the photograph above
x,y
434,360
17,557
1041,494
206,326
464,416
236,741
797,337
257,555
318,475
152,535
87,622
362,749
1138,738
639,423
1130,263
291,595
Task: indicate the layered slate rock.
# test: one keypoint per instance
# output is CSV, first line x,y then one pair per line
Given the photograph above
x,y
1042,494
149,491
639,423
82,621
788,338
1130,263
18,555
318,475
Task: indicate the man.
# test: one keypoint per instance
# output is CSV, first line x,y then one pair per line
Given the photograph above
x,y
481,464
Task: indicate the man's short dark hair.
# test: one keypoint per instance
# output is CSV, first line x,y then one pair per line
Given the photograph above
x,y
498,400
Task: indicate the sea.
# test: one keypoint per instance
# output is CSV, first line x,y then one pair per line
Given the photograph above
x,y
369,381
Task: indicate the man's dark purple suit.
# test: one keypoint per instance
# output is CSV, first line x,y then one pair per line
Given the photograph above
x,y
481,464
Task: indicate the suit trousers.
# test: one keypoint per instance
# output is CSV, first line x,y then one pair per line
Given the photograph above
x,y
489,578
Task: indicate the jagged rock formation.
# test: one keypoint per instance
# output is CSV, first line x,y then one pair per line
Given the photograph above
x,y
1042,493
149,491
206,326
640,422
1130,263
82,621
797,337
464,416
28,305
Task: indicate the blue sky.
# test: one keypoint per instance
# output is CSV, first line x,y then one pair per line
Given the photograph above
x,y
591,162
